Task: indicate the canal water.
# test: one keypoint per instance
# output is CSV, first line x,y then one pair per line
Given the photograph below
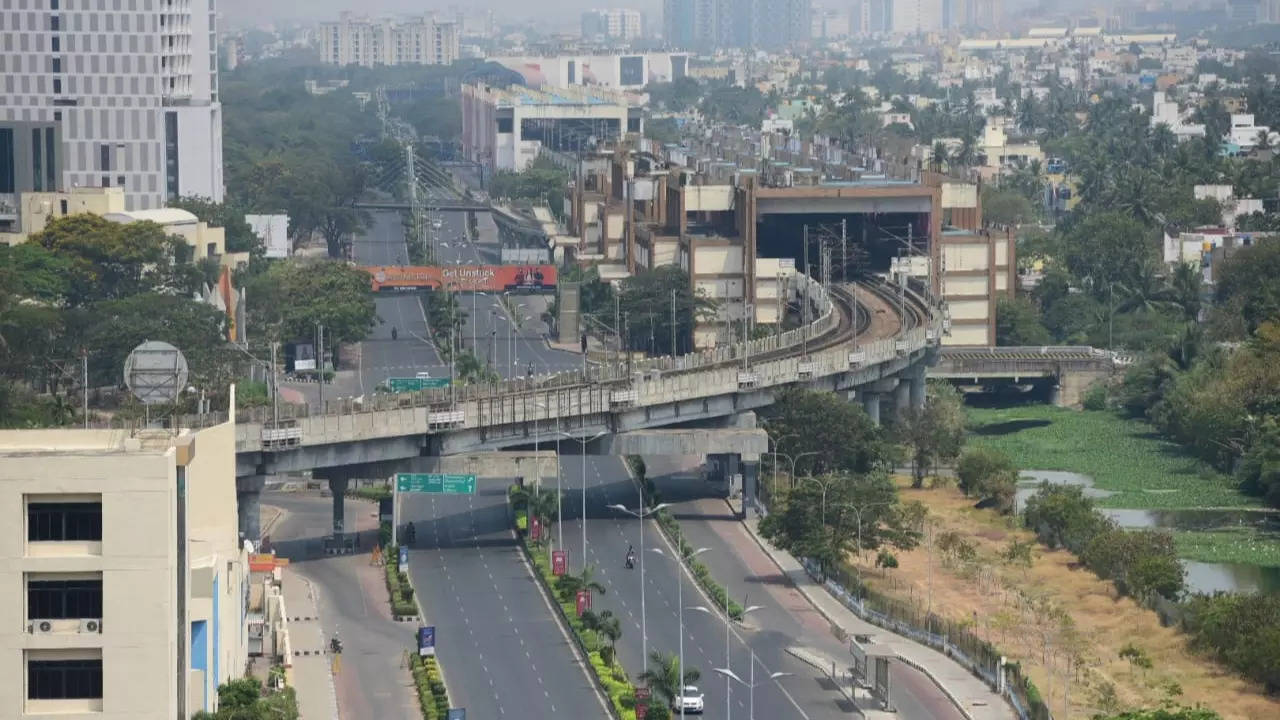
x,y
1201,576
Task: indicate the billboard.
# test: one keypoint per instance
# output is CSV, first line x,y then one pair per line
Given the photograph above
x,y
465,278
273,230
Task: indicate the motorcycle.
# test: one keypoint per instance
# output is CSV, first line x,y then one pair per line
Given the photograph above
x,y
393,333
335,645
631,561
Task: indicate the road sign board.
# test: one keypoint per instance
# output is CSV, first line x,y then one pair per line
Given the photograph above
x,y
436,483
412,384
584,601
404,557
559,562
642,711
427,640
457,714
535,528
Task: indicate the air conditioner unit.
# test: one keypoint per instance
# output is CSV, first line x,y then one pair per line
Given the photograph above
x,y
91,625
40,627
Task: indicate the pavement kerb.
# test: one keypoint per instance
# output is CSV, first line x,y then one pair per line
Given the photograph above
x,y
417,601
544,592
769,550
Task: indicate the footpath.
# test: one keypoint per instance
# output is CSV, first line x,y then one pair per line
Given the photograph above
x,y
971,696
312,665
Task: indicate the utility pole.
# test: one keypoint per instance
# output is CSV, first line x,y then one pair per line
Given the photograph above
x,y
844,250
275,391
673,323
85,381
808,281
320,362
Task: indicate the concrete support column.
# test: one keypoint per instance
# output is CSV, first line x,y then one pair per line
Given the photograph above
x,y
1055,394
901,397
750,485
338,486
917,383
249,506
871,403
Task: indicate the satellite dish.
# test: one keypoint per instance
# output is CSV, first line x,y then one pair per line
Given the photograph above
x,y
155,372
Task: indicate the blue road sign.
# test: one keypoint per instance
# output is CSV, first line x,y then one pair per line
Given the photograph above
x,y
404,557
427,640
457,714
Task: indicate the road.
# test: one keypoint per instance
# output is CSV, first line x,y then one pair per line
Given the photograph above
x,y
784,620
504,654
382,243
371,680
489,327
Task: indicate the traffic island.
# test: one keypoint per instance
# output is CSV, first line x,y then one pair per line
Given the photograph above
x,y
403,607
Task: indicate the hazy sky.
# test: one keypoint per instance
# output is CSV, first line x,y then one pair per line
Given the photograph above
x,y
248,11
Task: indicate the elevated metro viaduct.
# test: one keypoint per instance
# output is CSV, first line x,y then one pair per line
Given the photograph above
x,y
694,404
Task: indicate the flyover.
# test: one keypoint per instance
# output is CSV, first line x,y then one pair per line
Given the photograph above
x,y
1068,370
443,204
883,360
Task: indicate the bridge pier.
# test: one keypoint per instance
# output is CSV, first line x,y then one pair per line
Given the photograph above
x,y
871,403
750,485
249,506
901,398
918,387
338,486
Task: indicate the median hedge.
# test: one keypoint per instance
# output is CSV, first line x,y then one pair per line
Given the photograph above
x,y
432,697
611,675
398,584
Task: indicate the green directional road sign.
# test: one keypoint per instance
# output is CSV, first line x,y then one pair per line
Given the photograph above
x,y
411,384
436,483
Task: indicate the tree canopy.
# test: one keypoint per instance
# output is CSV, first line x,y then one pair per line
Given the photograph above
x,y
288,300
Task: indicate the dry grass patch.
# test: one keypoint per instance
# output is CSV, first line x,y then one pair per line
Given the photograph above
x,y
1064,625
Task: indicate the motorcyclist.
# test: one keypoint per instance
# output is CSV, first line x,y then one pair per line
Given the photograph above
x,y
631,557
335,644
393,333
410,533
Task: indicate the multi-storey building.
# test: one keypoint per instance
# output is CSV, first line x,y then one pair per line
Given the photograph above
x,y
126,94
752,24
612,23
360,41
123,581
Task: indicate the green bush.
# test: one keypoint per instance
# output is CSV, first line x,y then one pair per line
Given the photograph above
x,y
1241,630
671,528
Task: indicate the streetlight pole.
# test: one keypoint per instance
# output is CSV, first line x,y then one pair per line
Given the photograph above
x,y
857,510
728,688
750,684
797,457
680,604
641,515
584,443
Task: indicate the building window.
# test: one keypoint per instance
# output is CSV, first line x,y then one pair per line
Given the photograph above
x,y
57,44
64,679
70,521
53,4
50,161
55,22
7,169
57,86
57,65
119,181
171,153
106,181
37,162
64,599
104,157
63,206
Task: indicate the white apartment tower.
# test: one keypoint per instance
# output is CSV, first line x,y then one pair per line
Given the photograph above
x,y
360,41
613,23
131,87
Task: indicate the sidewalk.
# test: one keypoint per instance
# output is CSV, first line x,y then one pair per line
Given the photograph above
x,y
971,696
312,676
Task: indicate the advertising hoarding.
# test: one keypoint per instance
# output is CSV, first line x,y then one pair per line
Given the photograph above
x,y
465,278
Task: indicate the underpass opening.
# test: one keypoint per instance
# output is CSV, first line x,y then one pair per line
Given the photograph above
x,y
860,243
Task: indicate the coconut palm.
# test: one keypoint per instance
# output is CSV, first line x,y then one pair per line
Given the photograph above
x,y
540,503
606,625
664,677
938,155
569,584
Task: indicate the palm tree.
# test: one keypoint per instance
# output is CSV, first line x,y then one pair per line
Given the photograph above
x,y
1186,290
1263,142
938,155
541,503
967,153
664,677
569,584
607,626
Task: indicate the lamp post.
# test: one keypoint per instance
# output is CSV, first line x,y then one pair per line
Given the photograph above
x,y
750,684
728,688
641,515
825,487
797,457
680,605
857,509
777,442
584,443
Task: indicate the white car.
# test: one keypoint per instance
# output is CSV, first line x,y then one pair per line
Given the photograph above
x,y
422,375
690,699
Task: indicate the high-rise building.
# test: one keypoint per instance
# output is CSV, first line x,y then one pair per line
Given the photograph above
x,y
753,24
131,88
361,41
612,23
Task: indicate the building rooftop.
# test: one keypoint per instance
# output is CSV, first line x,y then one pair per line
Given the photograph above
x,y
569,96
159,216
72,441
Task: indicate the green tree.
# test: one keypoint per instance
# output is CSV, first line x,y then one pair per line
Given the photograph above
x,y
1062,516
1006,206
1106,248
34,272
646,301
934,432
666,678
832,434
1259,469
106,260
1241,630
1249,278
989,475
569,584
288,300
1165,714
1018,322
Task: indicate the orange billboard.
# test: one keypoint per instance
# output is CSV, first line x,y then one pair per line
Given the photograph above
x,y
465,278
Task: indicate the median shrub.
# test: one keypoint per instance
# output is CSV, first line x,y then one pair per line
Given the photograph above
x,y
398,586
433,699
671,528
